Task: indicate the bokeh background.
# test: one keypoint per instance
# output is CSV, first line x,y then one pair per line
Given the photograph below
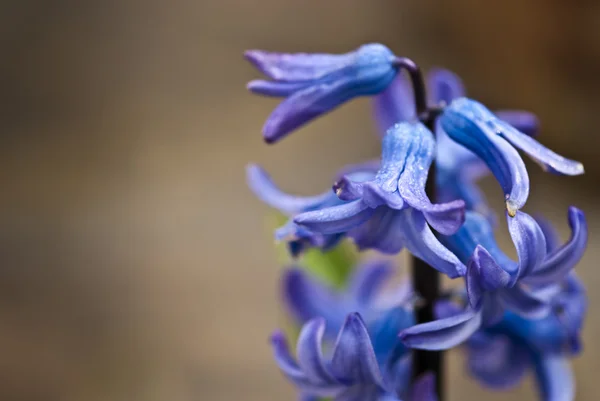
x,y
135,263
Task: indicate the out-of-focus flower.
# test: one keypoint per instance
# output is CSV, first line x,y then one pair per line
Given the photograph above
x,y
350,373
499,356
391,211
300,238
472,125
314,84
495,283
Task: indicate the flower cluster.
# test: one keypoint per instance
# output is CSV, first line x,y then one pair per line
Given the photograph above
x,y
358,342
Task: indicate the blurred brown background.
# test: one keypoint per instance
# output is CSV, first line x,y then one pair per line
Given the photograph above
x,y
135,263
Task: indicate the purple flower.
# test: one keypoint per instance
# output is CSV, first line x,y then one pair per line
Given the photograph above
x,y
350,373
300,238
499,356
392,210
472,125
315,84
495,283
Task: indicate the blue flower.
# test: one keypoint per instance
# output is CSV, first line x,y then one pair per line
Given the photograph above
x,y
351,373
495,283
472,125
385,312
392,210
315,84
300,238
499,356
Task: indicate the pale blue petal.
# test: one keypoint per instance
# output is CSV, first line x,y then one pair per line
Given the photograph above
x,y
308,350
265,189
554,378
529,241
444,333
335,219
353,356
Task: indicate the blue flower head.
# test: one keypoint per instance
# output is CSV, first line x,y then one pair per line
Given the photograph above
x,y
495,283
300,238
472,125
350,373
314,84
392,210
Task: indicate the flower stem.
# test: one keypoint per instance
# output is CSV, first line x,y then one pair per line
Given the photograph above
x,y
426,280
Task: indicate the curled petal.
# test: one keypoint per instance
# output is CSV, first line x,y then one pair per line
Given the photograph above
x,y
424,388
483,274
265,189
445,218
353,356
529,240
523,121
422,243
308,299
546,158
552,237
308,350
560,262
444,333
335,219
500,364
394,105
294,373
444,86
297,67
554,378
469,123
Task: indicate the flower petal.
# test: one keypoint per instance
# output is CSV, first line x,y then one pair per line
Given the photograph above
x,y
265,189
547,159
310,355
384,334
299,66
353,356
304,106
424,388
394,105
483,274
554,378
422,243
552,237
368,279
445,218
500,364
529,241
472,125
275,89
383,231
293,372
523,121
307,298
335,219
444,86
444,333
560,262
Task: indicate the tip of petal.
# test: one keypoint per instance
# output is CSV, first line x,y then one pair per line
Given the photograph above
x,y
277,338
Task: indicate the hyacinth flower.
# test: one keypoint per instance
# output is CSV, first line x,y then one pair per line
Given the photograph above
x,y
299,238
472,125
495,283
314,84
392,210
350,373
499,356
